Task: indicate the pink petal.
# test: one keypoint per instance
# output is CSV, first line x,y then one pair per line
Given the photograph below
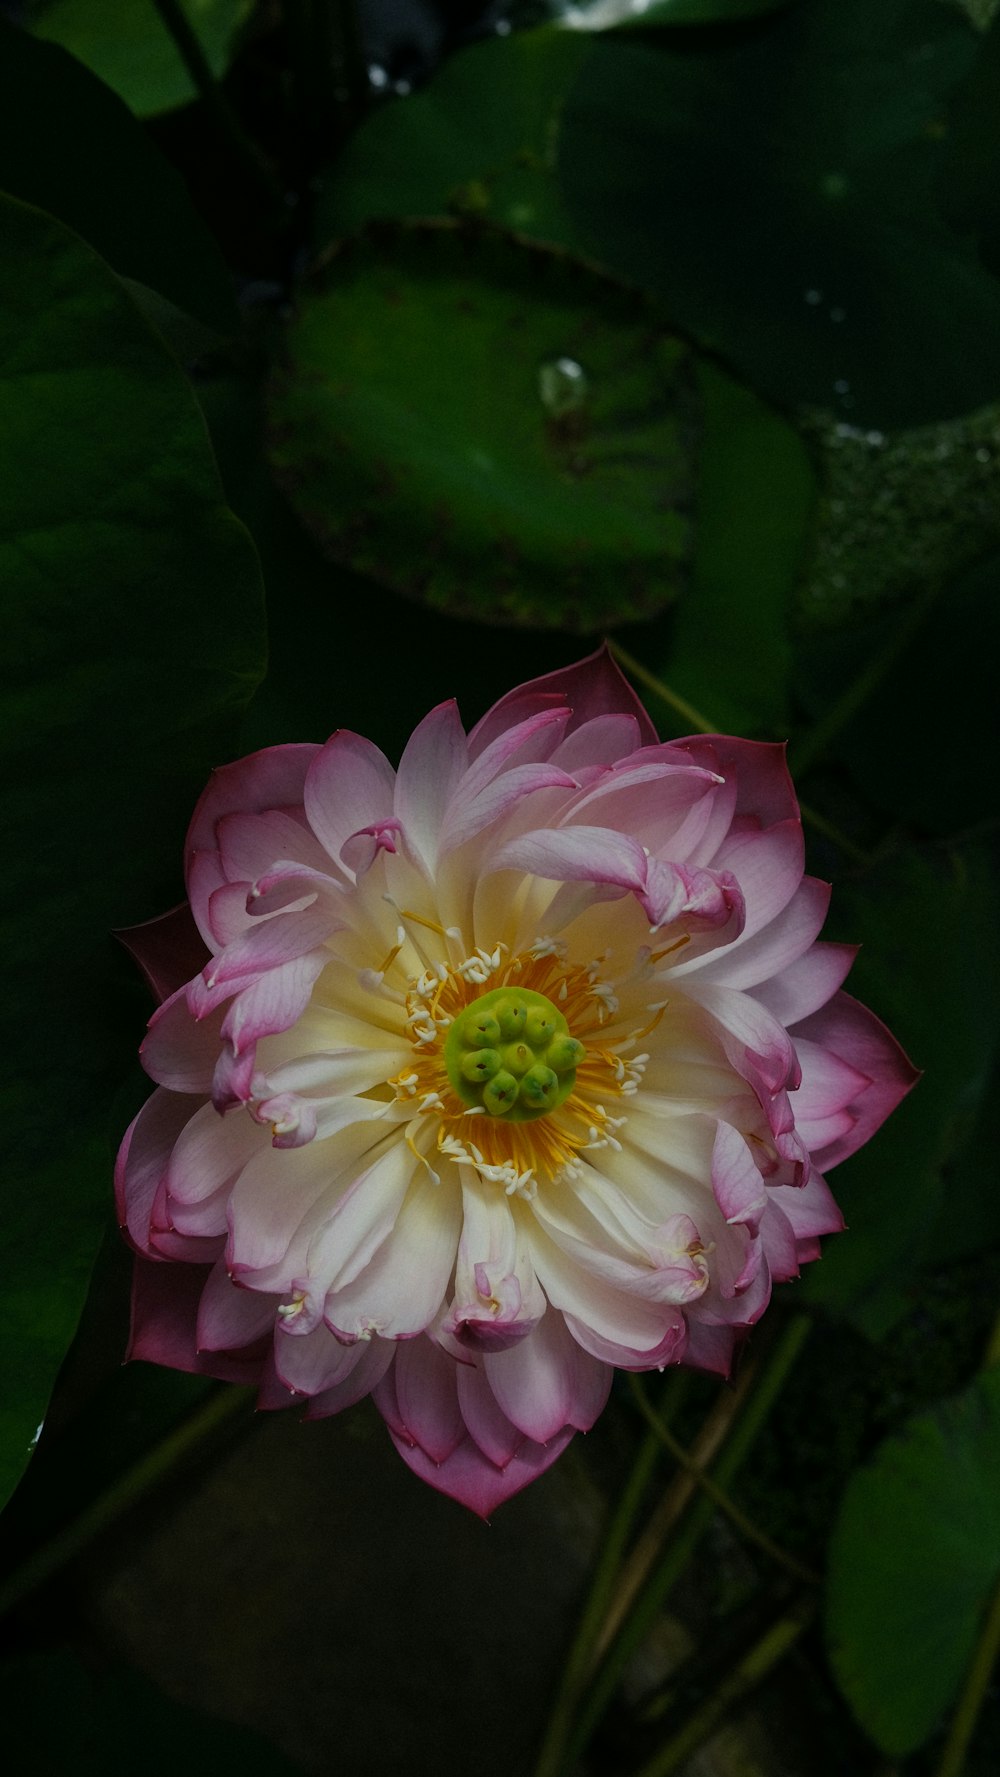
x,y
850,1031
758,769
599,742
373,1357
273,778
165,1302
210,1152
434,761
670,1350
228,1317
739,1189
419,1399
250,844
804,986
469,1476
402,1288
469,815
142,1160
316,1362
349,785
593,687
709,1347
177,1052
548,1382
168,950
576,854
487,1424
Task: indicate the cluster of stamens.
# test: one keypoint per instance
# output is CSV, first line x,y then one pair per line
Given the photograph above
x,y
511,1052
526,1059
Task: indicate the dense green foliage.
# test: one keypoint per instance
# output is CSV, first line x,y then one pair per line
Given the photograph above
x,y
679,325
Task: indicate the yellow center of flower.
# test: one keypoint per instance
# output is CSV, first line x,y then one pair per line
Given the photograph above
x,y
518,1078
511,1052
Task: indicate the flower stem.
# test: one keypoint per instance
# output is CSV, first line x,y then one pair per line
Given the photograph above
x,y
188,45
751,1670
737,1517
636,670
581,1653
810,816
846,707
963,1722
226,1404
644,1600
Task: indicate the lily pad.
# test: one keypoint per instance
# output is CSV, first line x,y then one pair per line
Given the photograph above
x,y
489,426
128,45
914,1559
133,609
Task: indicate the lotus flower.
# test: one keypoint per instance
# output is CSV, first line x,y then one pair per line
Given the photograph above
x,y
486,1076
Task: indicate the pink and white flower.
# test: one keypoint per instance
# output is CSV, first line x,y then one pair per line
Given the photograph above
x,y
487,1075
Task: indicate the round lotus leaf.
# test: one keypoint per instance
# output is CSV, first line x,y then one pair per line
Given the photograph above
x,y
489,426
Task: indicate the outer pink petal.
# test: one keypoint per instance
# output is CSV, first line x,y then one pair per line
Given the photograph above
x,y
228,1317
373,1357
599,742
165,1302
142,1161
349,785
576,854
487,1423
593,687
418,1398
548,1381
168,950
854,1034
806,985
178,1052
758,769
469,1476
434,761
249,844
273,778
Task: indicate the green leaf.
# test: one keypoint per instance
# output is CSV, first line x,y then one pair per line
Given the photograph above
x,y
133,611
922,748
490,427
479,140
914,1559
901,511
729,650
114,187
127,44
646,15
930,967
779,190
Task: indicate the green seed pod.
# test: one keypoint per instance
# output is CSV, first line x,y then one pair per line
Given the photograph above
x,y
540,1027
500,1094
538,1087
482,1032
564,1053
513,1016
481,1064
517,1058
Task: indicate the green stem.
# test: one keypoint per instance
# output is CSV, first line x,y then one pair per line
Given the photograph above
x,y
752,1669
188,45
805,755
228,1404
580,1655
737,1517
680,1548
963,1722
674,701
